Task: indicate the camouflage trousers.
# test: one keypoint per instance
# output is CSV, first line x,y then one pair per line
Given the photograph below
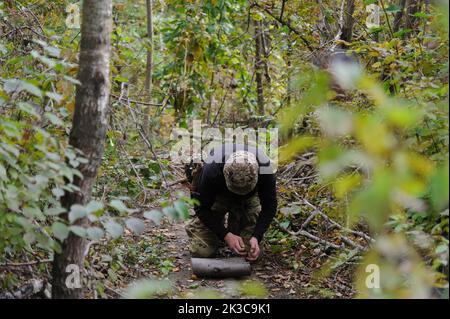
x,y
241,220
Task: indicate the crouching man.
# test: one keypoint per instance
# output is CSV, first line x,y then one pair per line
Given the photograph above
x,y
238,180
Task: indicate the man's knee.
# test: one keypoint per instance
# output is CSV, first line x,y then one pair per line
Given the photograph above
x,y
202,242
202,251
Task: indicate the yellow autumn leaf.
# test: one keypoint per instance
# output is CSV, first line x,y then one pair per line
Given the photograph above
x,y
119,6
420,164
295,147
376,65
346,183
71,107
374,135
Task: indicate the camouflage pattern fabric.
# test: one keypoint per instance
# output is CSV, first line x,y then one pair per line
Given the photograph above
x,y
242,217
241,172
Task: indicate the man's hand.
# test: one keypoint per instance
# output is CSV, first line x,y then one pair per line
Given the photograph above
x,y
235,243
254,250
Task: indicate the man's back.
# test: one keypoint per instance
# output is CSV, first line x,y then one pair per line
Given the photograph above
x,y
221,153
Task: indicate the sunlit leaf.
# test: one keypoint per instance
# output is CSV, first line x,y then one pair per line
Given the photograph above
x,y
254,289
182,209
95,233
346,183
76,212
154,215
60,231
440,187
136,225
94,206
335,122
113,228
170,212
146,288
296,147
55,120
118,205
78,230
28,108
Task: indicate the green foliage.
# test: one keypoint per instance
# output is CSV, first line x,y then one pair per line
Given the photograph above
x,y
147,288
202,40
382,146
394,172
33,177
36,170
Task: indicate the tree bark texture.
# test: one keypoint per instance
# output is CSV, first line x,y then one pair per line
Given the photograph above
x,y
412,7
88,130
259,67
149,70
399,15
347,26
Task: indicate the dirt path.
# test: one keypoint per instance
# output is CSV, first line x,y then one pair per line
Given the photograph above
x,y
162,251
279,283
278,280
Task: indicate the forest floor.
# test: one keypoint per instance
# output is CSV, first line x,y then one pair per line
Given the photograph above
x,y
289,266
279,280
163,252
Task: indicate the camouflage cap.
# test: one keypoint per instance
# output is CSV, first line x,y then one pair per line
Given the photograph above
x,y
241,172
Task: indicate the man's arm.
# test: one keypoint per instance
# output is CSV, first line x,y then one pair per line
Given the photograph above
x,y
206,193
268,199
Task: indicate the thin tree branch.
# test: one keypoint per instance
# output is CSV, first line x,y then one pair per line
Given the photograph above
x,y
30,263
137,102
287,24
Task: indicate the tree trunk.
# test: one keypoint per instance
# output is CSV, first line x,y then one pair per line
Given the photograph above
x,y
348,21
265,42
412,7
149,71
427,4
399,16
259,67
162,14
282,9
211,97
323,26
289,71
88,130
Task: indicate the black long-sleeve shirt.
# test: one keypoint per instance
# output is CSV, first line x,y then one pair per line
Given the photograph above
x,y
212,183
